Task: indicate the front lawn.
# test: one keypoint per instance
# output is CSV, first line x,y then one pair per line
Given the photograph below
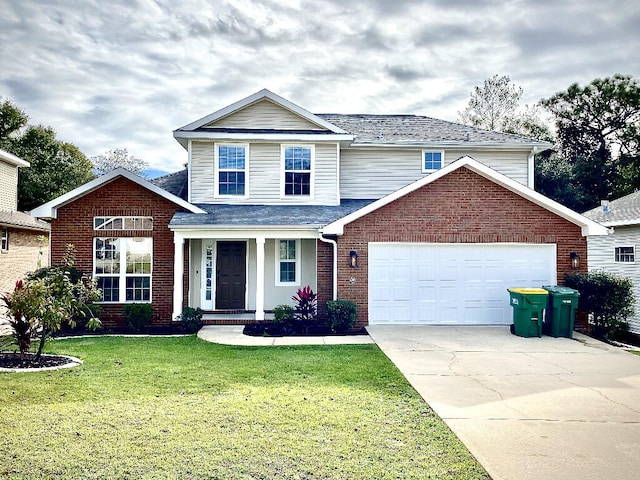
x,y
181,408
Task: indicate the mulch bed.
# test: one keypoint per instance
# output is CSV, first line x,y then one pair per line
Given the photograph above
x,y
270,329
16,360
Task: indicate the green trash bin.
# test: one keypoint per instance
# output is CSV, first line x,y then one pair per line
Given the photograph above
x,y
528,306
560,314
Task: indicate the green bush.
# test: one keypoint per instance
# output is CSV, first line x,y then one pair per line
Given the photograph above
x,y
137,315
191,319
284,314
607,298
341,315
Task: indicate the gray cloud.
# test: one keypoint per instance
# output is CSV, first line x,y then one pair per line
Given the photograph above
x,y
126,73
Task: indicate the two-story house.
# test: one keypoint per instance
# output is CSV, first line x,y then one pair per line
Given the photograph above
x,y
23,239
417,220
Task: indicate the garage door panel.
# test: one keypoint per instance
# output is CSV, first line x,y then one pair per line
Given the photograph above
x,y
452,283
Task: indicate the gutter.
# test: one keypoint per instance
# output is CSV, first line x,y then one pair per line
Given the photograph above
x,y
335,263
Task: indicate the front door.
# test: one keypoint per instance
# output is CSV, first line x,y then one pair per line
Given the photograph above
x,y
231,275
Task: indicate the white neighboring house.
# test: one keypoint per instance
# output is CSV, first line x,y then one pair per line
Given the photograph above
x,y
618,253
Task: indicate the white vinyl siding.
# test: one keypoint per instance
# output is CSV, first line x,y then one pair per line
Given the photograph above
x,y
376,172
601,256
264,175
8,187
265,115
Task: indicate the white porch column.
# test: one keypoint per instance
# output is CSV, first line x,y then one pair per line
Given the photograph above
x,y
260,278
178,274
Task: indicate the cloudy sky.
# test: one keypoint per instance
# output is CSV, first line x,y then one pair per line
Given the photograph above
x,y
126,73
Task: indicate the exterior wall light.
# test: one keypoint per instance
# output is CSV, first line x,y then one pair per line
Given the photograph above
x,y
353,258
575,260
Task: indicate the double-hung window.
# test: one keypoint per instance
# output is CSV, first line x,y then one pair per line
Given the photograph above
x,y
297,163
431,161
4,240
626,254
122,267
231,170
288,265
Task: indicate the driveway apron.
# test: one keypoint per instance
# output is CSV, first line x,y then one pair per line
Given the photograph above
x,y
527,408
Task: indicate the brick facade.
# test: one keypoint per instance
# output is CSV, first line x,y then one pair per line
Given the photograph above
x,y
121,197
461,207
28,251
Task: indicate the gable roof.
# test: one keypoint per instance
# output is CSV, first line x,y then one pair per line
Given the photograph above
x,y
196,129
175,183
589,227
11,159
49,209
623,211
416,129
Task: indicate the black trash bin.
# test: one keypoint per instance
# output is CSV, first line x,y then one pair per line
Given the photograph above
x,y
560,315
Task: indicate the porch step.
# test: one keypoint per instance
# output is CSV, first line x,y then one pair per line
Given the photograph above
x,y
231,318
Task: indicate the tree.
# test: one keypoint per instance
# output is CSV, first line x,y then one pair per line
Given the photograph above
x,y
50,298
12,119
118,157
56,167
598,130
492,105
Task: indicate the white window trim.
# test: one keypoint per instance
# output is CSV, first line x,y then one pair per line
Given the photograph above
x,y
122,217
297,260
424,170
123,272
4,233
633,247
312,169
216,170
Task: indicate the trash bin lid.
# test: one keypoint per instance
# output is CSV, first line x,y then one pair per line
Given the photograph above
x,y
561,290
529,291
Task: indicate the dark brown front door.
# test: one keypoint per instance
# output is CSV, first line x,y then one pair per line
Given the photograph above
x,y
231,275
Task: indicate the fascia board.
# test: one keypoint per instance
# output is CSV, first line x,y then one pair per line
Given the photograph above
x,y
12,159
262,94
453,144
49,209
275,137
245,231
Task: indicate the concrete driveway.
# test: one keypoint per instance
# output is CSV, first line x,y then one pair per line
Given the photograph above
x,y
527,408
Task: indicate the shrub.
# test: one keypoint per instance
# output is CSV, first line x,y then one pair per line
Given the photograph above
x,y
607,298
284,314
49,300
341,315
191,319
137,315
305,306
22,329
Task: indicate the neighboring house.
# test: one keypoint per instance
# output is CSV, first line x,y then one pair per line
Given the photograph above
x,y
618,253
23,239
415,219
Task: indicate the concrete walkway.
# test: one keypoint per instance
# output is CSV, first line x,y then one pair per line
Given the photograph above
x,y
232,335
527,408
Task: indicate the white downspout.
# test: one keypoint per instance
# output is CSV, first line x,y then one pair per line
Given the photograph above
x,y
335,264
531,168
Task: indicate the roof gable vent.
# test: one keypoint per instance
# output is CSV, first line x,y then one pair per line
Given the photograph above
x,y
605,206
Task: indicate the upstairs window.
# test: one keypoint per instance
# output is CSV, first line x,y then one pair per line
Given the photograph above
x,y
432,161
625,255
297,167
4,240
231,165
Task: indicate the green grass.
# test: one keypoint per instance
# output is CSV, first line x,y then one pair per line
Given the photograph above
x,y
181,408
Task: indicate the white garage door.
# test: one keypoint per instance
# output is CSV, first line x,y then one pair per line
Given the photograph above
x,y
452,284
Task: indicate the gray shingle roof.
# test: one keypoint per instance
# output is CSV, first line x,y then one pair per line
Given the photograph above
x,y
312,216
174,183
23,220
623,211
416,129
